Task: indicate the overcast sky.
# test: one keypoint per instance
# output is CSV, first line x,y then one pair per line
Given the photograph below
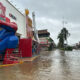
x,y
50,13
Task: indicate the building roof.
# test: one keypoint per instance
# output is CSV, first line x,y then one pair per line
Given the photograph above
x,y
43,31
14,7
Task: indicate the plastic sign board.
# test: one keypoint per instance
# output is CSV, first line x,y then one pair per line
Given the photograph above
x,y
29,27
12,16
2,10
26,11
43,41
29,22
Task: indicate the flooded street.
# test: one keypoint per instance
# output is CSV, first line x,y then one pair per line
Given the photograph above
x,y
53,65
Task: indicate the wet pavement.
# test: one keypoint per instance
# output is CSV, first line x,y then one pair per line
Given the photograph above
x,y
53,65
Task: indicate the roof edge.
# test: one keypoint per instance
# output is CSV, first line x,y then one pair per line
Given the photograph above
x,y
15,7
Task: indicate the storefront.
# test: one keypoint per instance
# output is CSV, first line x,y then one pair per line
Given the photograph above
x,y
27,45
32,47
15,16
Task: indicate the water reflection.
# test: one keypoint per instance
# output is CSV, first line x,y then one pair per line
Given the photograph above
x,y
54,65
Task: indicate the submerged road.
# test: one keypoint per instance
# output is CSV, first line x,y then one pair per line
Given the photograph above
x,y
53,65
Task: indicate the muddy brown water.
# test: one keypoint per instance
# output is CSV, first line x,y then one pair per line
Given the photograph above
x,y
53,65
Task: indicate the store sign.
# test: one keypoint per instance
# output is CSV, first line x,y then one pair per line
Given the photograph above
x,y
2,10
43,41
12,16
3,19
29,27
29,31
29,22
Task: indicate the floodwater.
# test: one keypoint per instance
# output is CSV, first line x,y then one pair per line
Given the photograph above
x,y
53,65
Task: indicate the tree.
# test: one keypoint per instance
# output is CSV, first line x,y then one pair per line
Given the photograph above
x,y
61,40
66,34
62,36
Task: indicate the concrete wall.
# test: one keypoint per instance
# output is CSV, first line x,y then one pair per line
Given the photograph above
x,y
20,18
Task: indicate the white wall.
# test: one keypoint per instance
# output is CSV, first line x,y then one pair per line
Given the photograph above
x,y
20,18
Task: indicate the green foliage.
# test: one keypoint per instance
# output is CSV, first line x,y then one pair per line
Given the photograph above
x,y
69,48
50,48
62,36
61,40
49,39
62,49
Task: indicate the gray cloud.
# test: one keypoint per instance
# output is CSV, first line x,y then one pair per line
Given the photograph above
x,y
49,15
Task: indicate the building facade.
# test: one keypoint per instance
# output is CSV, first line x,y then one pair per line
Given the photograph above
x,y
45,40
43,36
15,16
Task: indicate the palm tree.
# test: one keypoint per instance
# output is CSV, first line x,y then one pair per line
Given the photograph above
x,y
66,34
63,35
61,40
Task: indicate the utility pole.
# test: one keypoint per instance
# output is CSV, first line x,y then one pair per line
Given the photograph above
x,y
64,22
